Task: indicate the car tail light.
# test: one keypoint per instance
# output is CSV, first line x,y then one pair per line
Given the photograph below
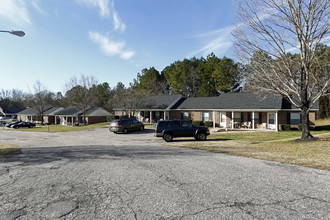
x,y
156,130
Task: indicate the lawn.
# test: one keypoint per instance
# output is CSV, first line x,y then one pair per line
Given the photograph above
x,y
275,146
61,128
7,149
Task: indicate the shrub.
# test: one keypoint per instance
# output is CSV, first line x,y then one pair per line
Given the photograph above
x,y
285,127
197,123
208,123
123,116
111,117
300,127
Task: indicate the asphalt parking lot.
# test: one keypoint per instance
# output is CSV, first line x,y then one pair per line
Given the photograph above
x,y
96,174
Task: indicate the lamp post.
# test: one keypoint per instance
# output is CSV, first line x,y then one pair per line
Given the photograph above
x,y
17,33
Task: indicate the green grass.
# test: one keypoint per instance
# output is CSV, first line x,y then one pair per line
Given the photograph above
x,y
262,136
8,149
274,146
62,128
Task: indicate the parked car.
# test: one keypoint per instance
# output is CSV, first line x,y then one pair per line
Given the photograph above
x,y
168,129
23,124
9,124
125,125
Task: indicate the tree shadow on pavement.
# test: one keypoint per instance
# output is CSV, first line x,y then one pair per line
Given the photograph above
x,y
44,155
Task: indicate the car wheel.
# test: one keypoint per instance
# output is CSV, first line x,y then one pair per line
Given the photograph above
x,y
168,137
141,128
201,136
30,126
125,131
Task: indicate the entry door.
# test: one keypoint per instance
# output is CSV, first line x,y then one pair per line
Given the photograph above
x,y
271,121
222,119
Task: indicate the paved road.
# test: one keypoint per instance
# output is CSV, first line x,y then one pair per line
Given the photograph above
x,y
97,175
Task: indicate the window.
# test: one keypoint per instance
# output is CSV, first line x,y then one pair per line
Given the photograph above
x,y
237,117
206,116
256,118
295,118
157,115
271,119
186,115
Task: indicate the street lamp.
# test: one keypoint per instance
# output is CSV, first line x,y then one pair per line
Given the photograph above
x,y
17,33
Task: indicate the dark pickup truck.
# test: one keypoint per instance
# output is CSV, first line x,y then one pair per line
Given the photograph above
x,y
168,129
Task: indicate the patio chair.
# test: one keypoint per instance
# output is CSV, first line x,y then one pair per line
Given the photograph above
x,y
263,125
248,125
244,125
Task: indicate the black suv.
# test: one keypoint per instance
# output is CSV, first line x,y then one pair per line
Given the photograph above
x,y
125,125
179,128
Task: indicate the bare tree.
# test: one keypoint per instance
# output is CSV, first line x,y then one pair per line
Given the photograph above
x,y
81,93
268,30
39,99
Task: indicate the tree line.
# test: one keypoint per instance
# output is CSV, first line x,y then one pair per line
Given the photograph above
x,y
189,77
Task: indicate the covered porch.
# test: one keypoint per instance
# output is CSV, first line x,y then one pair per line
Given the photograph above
x,y
240,119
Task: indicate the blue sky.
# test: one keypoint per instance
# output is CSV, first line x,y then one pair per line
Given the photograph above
x,y
111,40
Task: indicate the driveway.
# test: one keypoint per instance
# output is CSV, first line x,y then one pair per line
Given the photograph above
x,y
100,175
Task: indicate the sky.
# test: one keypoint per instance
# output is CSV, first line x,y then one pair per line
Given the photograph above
x,y
112,40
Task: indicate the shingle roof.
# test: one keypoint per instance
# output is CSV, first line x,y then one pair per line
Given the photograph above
x,y
74,111
97,111
53,111
33,111
11,110
159,102
233,101
69,111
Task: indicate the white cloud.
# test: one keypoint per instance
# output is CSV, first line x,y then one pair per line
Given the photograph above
x,y
16,12
218,42
116,19
109,47
106,9
102,5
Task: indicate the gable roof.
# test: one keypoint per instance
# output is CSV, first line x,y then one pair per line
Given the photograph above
x,y
33,111
53,111
97,111
156,102
69,111
234,101
74,111
10,111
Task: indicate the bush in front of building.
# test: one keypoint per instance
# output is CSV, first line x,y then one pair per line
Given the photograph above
x,y
300,127
197,123
123,116
285,127
208,123
111,117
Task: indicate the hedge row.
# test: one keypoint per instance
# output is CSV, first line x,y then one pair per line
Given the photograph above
x,y
287,127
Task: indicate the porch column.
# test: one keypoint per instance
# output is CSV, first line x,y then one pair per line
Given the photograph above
x,y
213,119
72,121
232,120
164,115
150,117
276,120
253,120
138,116
66,120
